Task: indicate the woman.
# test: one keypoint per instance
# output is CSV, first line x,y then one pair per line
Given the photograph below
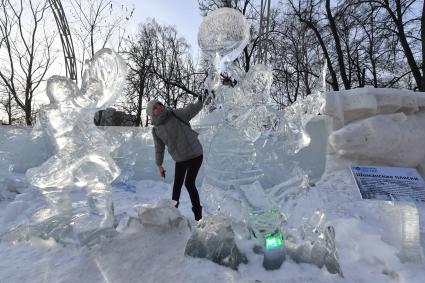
x,y
171,128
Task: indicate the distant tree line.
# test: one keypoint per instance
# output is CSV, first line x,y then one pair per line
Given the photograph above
x,y
357,43
160,67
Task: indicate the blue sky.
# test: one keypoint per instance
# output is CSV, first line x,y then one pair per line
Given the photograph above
x,y
184,14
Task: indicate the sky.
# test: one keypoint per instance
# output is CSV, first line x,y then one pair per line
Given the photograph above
x,y
184,14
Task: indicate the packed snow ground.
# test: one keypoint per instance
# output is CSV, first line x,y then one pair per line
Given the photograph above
x,y
140,254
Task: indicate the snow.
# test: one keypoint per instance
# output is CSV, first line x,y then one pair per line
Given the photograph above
x,y
141,254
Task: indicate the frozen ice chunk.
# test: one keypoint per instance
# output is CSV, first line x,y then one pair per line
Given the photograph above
x,y
266,221
403,136
224,31
409,104
401,229
349,105
358,106
162,214
320,252
214,239
57,227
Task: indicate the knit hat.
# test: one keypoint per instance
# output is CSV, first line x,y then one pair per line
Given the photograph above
x,y
149,107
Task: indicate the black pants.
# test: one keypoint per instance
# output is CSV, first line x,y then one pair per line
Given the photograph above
x,y
188,168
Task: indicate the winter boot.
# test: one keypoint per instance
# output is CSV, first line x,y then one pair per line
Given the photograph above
x,y
177,204
197,211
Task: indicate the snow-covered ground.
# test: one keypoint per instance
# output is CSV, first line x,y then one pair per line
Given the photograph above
x,y
140,254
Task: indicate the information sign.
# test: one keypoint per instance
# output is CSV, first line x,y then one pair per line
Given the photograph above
x,y
389,183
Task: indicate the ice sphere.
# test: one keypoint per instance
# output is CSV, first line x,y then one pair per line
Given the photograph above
x,y
214,239
82,156
224,31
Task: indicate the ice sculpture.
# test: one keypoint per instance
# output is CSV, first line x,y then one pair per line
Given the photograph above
x,y
231,184
81,158
222,36
224,32
362,119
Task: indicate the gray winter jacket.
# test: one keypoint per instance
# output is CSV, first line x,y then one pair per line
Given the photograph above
x,y
181,141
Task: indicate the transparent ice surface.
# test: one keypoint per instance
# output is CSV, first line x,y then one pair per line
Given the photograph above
x,y
82,157
225,32
229,165
214,239
293,124
5,166
402,230
256,85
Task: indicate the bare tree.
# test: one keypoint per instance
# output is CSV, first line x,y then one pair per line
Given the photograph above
x,y
97,24
25,52
161,67
405,17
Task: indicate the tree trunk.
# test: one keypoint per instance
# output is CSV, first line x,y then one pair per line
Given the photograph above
x,y
28,118
398,20
338,48
423,46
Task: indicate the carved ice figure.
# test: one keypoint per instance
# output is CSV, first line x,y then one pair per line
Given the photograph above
x,y
82,157
230,164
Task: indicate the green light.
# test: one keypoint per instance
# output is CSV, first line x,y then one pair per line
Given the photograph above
x,y
273,240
